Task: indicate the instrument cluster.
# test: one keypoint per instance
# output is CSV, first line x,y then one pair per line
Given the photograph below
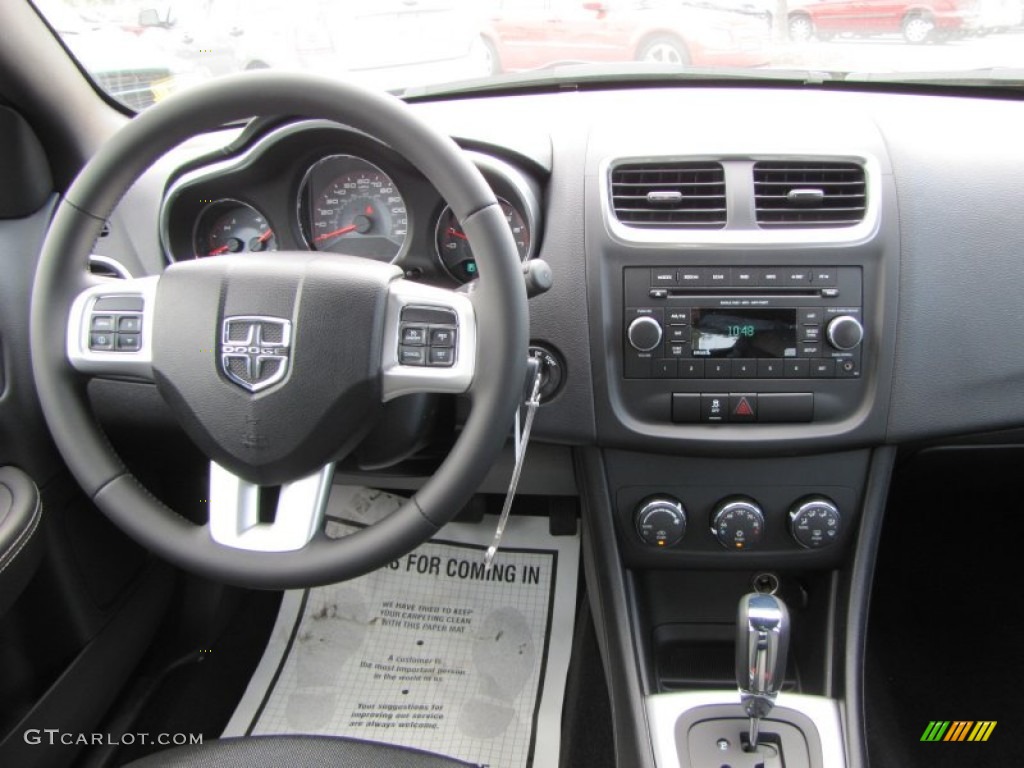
x,y
318,186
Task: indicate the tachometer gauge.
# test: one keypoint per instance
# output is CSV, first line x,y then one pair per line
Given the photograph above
x,y
351,206
453,245
229,226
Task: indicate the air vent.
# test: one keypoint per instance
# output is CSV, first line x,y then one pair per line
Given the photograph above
x,y
809,194
670,195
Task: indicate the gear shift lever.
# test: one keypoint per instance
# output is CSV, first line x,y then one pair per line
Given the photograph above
x,y
761,644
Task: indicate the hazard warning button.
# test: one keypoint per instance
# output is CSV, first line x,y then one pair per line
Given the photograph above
x,y
742,408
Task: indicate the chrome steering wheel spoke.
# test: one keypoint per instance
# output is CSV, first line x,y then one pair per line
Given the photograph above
x,y
110,329
430,340
235,511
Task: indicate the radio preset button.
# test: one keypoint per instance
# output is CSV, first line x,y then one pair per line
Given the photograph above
x,y
691,369
744,369
797,369
718,369
769,369
664,369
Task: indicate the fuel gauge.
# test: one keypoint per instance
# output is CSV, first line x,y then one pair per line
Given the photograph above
x,y
230,226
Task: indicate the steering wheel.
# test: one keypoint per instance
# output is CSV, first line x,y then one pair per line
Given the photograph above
x,y
276,365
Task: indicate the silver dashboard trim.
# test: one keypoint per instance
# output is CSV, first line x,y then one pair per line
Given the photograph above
x,y
741,228
665,709
234,511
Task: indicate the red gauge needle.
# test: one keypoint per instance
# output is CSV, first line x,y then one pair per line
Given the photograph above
x,y
219,251
456,233
266,236
335,233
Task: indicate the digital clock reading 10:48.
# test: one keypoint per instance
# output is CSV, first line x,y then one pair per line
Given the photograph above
x,y
741,330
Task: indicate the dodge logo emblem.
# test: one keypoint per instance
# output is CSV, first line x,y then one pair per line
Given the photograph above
x,y
255,351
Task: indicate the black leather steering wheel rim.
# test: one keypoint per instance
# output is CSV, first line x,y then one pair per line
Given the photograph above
x,y
499,298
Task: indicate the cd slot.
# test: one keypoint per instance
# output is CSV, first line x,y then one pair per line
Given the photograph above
x,y
719,292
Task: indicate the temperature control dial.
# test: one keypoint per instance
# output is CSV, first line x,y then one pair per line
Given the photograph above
x,y
738,523
661,521
814,522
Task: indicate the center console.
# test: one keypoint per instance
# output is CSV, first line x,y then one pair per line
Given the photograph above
x,y
742,300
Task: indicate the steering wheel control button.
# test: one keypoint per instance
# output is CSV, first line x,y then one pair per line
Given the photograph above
x,y
129,323
412,356
661,521
414,335
428,316
101,342
442,337
119,304
102,323
814,522
738,524
129,342
442,356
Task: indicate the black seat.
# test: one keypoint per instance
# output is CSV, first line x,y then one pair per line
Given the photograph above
x,y
294,752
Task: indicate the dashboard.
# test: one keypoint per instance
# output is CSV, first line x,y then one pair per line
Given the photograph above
x,y
320,187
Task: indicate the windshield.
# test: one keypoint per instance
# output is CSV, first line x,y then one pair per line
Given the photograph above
x,y
139,51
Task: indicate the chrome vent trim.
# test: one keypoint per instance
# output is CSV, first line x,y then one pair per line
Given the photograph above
x,y
672,195
798,194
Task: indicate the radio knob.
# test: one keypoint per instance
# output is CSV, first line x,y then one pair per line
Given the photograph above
x,y
644,334
845,332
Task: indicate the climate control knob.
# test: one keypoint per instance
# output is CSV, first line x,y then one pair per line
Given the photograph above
x,y
738,523
845,332
644,334
661,521
814,522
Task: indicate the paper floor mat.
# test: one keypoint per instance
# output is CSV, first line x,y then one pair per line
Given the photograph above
x,y
429,652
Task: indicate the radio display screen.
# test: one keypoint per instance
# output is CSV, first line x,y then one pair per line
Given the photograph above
x,y
743,332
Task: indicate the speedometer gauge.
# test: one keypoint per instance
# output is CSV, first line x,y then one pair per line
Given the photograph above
x,y
349,205
453,245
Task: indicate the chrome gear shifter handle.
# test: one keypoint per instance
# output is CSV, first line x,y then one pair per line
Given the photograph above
x,y
762,642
